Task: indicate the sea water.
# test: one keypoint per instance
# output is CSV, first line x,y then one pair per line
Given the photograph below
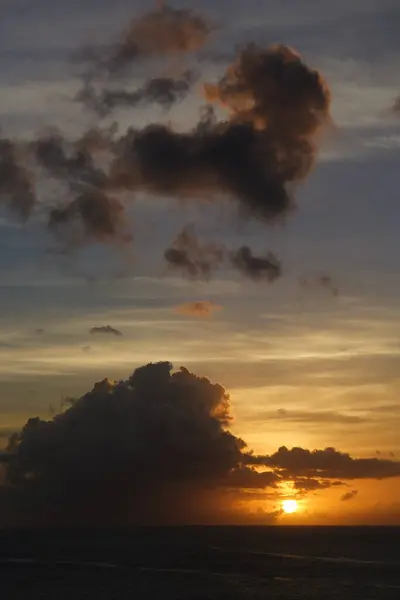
x,y
202,563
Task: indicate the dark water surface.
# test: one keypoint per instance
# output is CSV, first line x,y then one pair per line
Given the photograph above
x,y
202,563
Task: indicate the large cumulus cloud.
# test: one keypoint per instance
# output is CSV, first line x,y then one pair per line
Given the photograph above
x,y
127,446
154,448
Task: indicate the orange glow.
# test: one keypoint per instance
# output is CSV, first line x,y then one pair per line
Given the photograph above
x,y
289,506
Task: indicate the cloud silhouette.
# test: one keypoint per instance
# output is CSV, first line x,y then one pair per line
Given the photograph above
x,y
327,464
349,496
154,448
164,91
191,256
256,267
200,308
308,484
104,329
126,446
102,217
69,161
252,155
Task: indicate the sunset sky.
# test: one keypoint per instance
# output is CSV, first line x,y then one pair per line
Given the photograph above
x,y
308,362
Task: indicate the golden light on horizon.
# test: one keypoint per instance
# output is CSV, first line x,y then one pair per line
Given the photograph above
x,y
289,506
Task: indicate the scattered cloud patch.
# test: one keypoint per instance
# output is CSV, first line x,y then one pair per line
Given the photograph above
x,y
104,329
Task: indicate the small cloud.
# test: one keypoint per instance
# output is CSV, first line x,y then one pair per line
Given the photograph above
x,y
257,267
201,308
39,331
349,496
106,329
86,348
192,256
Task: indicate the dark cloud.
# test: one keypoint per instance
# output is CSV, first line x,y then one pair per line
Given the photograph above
x,y
257,267
251,156
191,256
39,331
327,464
129,446
104,329
349,496
16,182
71,162
101,216
201,308
299,416
273,89
164,91
308,484
255,154
247,478
153,448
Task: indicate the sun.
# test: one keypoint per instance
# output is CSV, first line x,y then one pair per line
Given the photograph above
x,y
289,506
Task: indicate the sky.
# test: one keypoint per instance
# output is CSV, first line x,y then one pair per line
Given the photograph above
x,y
310,360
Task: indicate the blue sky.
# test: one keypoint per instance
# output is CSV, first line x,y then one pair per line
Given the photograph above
x,y
273,347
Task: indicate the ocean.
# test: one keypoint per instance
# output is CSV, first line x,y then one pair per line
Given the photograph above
x,y
202,563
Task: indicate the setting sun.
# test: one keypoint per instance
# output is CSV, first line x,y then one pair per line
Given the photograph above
x,y
289,506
